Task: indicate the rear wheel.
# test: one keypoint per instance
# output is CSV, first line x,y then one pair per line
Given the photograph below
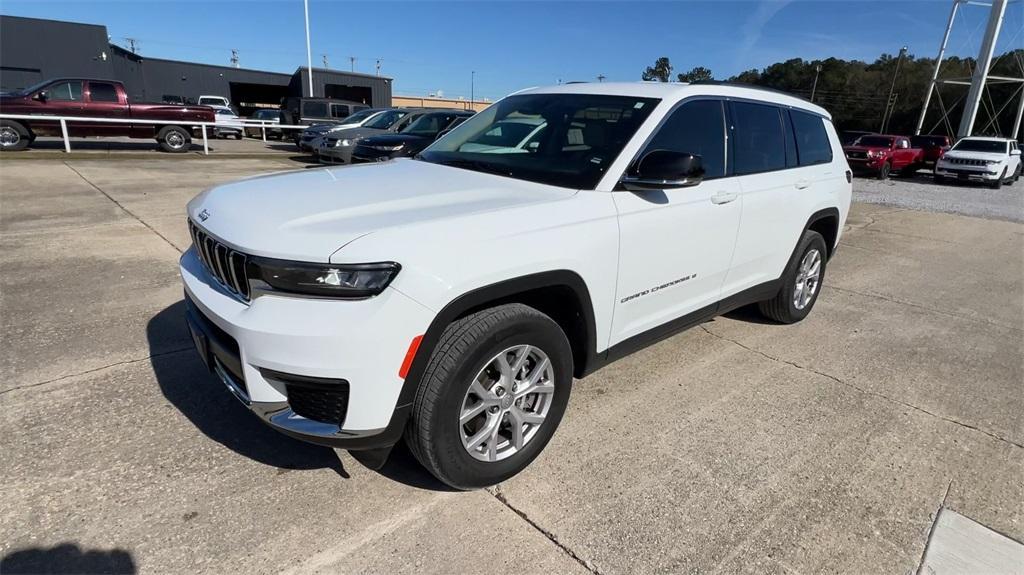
x,y
492,395
13,136
801,282
174,139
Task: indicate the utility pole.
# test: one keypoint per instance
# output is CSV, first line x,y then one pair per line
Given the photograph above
x,y
601,77
814,88
324,56
131,44
234,57
378,67
890,106
352,62
309,52
472,88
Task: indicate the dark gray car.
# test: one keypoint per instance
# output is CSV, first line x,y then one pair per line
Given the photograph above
x,y
336,147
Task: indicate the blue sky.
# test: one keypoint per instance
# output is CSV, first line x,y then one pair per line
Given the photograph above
x,y
431,46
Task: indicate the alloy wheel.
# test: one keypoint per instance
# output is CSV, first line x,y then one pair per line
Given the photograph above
x,y
807,279
506,403
9,137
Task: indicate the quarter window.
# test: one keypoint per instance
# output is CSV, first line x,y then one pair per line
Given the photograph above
x,y
759,142
99,92
66,92
696,128
811,139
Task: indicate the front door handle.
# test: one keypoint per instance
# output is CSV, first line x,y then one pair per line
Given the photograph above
x,y
723,197
802,184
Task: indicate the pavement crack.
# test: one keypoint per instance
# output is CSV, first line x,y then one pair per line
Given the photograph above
x,y
124,209
94,370
931,528
924,307
496,492
865,391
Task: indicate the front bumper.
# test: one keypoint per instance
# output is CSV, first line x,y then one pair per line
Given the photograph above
x,y
336,154
264,350
979,173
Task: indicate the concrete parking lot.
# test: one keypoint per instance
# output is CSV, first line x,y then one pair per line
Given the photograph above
x,y
738,446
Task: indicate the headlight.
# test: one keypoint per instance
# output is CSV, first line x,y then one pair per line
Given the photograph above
x,y
329,280
344,143
872,153
388,148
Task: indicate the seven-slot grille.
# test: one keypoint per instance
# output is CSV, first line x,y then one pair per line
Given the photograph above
x,y
966,162
225,264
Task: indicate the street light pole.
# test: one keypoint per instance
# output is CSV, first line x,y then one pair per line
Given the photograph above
x,y
309,53
472,89
817,70
889,104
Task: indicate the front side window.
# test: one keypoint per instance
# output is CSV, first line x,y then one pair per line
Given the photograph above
x,y
696,128
66,92
581,135
758,138
102,92
811,139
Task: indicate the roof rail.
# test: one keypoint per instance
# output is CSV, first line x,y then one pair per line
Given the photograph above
x,y
749,86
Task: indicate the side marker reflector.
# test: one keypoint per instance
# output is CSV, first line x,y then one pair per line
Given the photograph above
x,y
409,356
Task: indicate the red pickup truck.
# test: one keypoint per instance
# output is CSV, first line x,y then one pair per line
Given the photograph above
x,y
880,155
932,147
83,97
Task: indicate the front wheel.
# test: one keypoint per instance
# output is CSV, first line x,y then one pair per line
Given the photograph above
x,y
883,172
801,282
13,136
492,395
998,182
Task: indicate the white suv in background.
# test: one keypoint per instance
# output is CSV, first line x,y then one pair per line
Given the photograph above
x,y
995,161
452,298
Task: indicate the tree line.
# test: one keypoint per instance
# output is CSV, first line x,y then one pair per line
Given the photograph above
x,y
856,92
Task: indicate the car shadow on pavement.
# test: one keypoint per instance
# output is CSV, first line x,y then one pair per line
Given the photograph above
x,y
67,558
402,467
750,314
208,404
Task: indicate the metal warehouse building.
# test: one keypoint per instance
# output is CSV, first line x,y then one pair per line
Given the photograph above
x,y
33,50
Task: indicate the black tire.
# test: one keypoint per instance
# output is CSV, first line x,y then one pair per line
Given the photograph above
x,y
998,182
1016,175
782,308
14,137
174,139
939,179
883,172
466,347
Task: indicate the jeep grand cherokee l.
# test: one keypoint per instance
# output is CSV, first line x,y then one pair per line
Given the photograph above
x,y
452,298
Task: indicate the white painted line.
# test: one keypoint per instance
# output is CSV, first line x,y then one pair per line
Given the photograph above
x,y
959,546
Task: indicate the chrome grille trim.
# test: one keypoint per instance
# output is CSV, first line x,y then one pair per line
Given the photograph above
x,y
224,264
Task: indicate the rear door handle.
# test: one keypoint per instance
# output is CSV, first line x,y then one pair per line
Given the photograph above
x,y
723,197
802,184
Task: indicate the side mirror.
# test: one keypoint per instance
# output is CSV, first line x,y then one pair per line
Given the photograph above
x,y
42,96
662,169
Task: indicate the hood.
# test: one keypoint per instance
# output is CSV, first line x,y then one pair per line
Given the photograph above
x,y
966,155
392,140
307,215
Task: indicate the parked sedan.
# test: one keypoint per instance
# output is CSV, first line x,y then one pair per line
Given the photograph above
x,y
227,124
336,146
269,116
307,143
411,140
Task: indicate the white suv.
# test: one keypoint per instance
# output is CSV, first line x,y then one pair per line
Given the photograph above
x,y
453,297
995,161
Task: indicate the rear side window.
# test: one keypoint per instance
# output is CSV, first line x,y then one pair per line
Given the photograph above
x,y
100,92
696,128
314,109
339,111
811,139
759,142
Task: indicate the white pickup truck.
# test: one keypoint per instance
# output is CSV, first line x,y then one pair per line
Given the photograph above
x,y
451,298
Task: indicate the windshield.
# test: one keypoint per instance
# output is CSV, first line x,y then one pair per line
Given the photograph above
x,y
385,120
928,141
429,125
359,116
874,141
34,87
566,140
990,146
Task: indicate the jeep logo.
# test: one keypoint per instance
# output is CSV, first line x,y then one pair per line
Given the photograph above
x,y
204,215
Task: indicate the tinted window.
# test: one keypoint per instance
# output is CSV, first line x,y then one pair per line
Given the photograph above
x,y
811,139
928,141
696,128
66,91
314,109
385,120
102,92
339,110
787,128
759,142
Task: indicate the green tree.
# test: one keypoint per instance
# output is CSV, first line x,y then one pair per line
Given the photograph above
x,y
660,71
698,74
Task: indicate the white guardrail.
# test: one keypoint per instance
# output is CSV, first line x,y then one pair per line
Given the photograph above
x,y
241,124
